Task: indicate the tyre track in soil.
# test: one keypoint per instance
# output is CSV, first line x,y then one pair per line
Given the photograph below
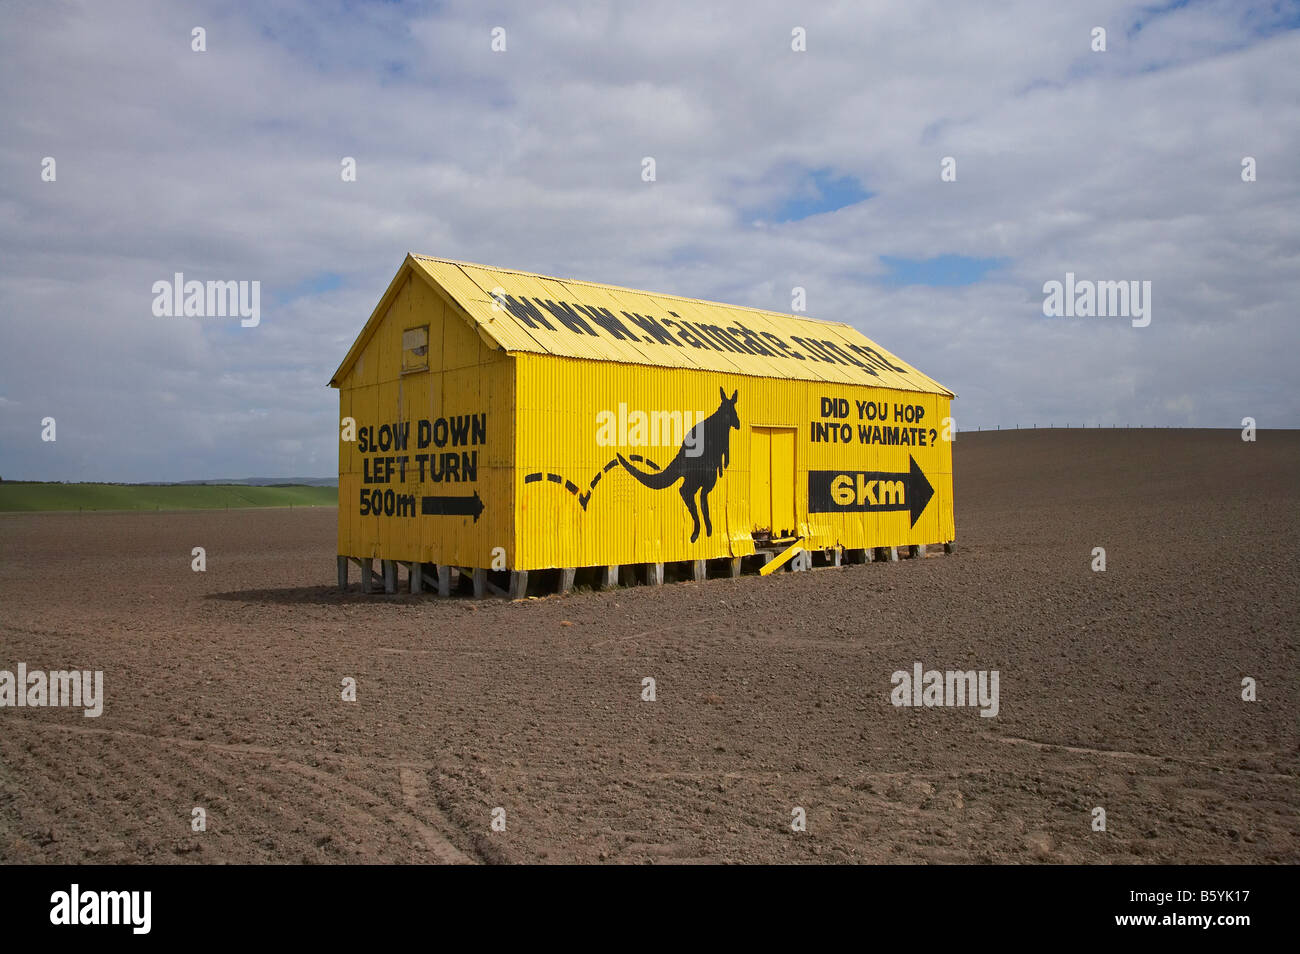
x,y
1150,757
114,802
420,814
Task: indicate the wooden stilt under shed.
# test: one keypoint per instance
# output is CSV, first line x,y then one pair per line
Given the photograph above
x,y
439,577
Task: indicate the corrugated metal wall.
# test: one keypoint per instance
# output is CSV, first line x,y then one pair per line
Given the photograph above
x,y
562,401
465,377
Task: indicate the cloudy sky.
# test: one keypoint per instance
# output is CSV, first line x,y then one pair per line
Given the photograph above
x,y
774,169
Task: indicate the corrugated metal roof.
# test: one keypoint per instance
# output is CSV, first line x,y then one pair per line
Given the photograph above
x,y
576,319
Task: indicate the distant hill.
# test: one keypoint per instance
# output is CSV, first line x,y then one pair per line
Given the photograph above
x,y
31,496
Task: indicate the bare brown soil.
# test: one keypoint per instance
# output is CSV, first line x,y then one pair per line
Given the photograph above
x,y
1119,689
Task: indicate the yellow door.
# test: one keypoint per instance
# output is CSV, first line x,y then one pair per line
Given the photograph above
x,y
760,477
771,480
783,522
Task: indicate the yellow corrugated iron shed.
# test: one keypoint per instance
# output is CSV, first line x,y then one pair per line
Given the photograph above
x,y
507,420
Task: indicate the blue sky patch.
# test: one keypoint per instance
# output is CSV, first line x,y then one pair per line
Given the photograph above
x,y
944,271
820,191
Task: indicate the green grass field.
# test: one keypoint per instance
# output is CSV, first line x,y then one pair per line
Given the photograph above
x,y
38,496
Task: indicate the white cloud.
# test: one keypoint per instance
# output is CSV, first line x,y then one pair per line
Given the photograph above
x,y
226,165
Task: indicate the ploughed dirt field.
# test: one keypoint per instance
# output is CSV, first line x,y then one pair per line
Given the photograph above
x,y
1119,689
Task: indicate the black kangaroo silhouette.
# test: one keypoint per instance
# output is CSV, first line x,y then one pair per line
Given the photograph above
x,y
698,471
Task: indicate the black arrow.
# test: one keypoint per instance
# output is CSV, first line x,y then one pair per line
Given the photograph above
x,y
869,490
919,491
452,506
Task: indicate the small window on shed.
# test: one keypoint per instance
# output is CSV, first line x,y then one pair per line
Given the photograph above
x,y
415,349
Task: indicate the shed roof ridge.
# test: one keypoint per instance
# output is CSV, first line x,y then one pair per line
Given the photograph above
x,y
628,288
513,338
